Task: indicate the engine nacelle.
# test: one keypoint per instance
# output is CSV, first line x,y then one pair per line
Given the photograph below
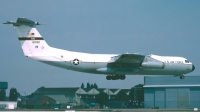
x,y
153,65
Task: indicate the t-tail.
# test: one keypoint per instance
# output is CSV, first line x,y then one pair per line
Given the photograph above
x,y
31,40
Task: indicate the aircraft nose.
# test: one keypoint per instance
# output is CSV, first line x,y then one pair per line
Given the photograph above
x,y
193,67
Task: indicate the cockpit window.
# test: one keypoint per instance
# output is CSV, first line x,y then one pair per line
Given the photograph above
x,y
186,61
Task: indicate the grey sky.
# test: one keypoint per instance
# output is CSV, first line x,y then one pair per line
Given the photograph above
x,y
162,27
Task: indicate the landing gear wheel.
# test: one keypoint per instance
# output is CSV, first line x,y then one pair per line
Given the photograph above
x,y
108,77
122,77
115,77
182,77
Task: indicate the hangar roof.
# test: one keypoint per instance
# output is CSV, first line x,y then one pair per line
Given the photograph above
x,y
171,81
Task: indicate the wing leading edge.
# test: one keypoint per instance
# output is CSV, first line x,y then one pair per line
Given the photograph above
x,y
126,61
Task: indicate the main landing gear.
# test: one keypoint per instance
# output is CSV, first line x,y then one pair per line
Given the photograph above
x,y
182,77
115,77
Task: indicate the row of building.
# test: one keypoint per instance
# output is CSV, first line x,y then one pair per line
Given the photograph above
x,y
46,97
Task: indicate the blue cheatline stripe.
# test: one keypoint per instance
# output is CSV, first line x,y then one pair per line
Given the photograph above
x,y
30,38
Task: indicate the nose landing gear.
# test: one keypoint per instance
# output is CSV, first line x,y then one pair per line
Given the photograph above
x,y
115,77
182,77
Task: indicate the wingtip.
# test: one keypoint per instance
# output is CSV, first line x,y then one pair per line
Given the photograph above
x,y
9,22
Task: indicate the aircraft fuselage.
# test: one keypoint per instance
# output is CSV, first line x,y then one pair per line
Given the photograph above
x,y
91,63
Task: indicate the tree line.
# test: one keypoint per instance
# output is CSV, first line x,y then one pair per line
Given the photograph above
x,y
89,86
2,95
13,95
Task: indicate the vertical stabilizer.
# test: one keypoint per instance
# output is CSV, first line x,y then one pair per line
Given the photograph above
x,y
31,40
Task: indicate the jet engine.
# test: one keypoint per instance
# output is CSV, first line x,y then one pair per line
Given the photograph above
x,y
153,65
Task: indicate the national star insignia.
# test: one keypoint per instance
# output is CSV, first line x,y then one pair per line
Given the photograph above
x,y
75,61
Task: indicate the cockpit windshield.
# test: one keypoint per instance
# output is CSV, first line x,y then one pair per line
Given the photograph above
x,y
186,61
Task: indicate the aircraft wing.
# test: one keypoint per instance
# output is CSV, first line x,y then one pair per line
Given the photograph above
x,y
126,60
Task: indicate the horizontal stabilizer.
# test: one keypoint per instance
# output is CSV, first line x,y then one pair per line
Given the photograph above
x,y
23,21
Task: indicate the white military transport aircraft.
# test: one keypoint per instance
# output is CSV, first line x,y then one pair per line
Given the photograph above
x,y
115,66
